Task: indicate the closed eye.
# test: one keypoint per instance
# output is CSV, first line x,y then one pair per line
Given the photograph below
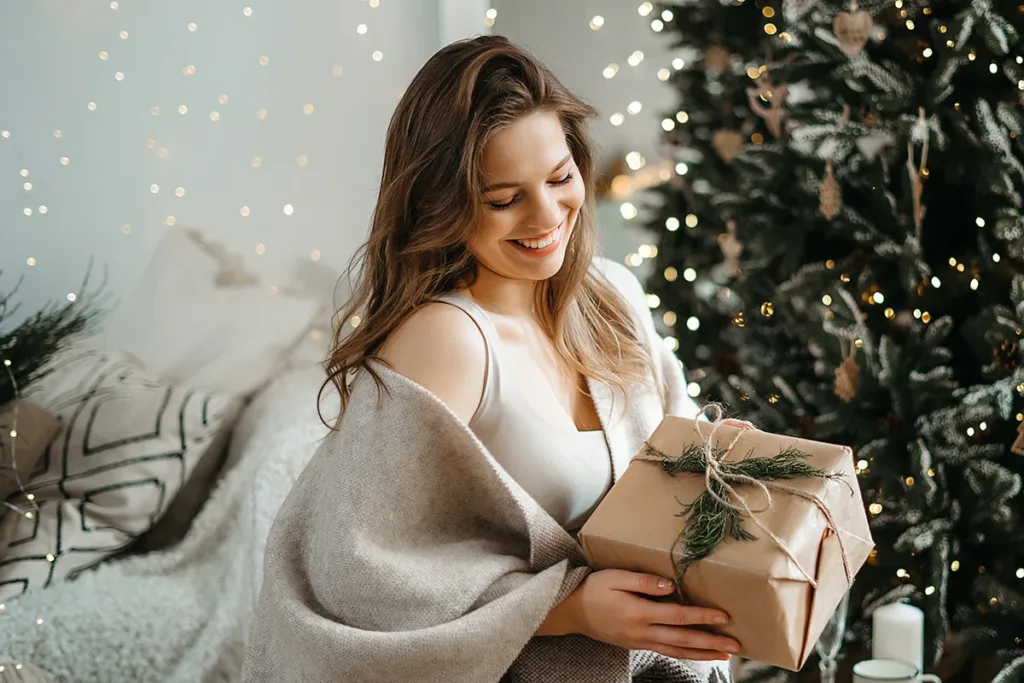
x,y
555,183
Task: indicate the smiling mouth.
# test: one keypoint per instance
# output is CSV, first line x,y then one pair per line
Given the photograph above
x,y
542,241
545,240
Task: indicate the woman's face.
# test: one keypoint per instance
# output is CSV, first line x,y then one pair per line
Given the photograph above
x,y
532,197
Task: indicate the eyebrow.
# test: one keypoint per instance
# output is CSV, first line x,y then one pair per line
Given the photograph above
x,y
501,186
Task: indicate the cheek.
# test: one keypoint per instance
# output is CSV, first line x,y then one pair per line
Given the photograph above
x,y
574,199
492,228
577,195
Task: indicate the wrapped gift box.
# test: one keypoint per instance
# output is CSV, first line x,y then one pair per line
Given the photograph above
x,y
776,614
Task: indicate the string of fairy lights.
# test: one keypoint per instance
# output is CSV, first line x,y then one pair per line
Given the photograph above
x,y
164,151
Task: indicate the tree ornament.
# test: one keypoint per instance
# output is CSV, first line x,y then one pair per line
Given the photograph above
x,y
716,59
830,195
775,96
1018,444
847,380
852,29
727,143
869,117
732,248
918,172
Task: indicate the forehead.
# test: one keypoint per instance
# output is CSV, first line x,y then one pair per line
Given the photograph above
x,y
528,148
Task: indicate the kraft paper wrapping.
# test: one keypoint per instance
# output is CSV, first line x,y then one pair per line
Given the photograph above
x,y
776,614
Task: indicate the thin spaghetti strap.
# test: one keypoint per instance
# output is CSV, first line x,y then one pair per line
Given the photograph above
x,y
478,315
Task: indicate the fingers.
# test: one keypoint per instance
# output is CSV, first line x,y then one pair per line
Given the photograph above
x,y
634,582
684,615
691,639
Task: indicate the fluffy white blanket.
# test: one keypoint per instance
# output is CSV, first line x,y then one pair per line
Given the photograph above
x,y
181,615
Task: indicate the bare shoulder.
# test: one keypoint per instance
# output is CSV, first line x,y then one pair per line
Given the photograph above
x,y
440,348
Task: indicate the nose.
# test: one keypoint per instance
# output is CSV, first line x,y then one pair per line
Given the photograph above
x,y
546,214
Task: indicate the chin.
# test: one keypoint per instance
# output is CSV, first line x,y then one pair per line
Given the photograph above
x,y
548,269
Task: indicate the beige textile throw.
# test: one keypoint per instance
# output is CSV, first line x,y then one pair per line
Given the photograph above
x,y
405,554
716,472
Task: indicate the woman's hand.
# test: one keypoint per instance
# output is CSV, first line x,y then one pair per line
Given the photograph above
x,y
610,606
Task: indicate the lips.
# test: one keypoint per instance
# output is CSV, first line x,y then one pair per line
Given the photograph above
x,y
544,240
541,241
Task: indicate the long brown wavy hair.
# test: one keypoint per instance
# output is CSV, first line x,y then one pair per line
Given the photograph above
x,y
431,195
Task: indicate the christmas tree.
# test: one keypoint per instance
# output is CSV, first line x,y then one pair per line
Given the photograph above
x,y
841,258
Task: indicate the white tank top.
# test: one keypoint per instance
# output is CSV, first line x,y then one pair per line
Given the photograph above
x,y
565,470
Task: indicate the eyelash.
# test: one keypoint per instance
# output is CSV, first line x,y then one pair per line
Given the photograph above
x,y
508,205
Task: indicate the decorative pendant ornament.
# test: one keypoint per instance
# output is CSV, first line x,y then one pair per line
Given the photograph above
x,y
847,381
732,248
852,29
830,195
716,59
918,172
775,97
1018,445
727,144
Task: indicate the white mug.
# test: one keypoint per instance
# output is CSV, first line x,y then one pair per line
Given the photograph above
x,y
890,671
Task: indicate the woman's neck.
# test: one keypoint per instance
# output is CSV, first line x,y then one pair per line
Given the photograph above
x,y
502,295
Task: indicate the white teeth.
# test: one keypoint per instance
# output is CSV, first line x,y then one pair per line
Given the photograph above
x,y
550,238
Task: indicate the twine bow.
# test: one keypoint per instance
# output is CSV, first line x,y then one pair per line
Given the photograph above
x,y
714,515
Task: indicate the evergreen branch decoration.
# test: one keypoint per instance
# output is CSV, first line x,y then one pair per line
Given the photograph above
x,y
711,522
31,346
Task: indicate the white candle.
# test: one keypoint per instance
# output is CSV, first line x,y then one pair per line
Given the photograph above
x,y
897,632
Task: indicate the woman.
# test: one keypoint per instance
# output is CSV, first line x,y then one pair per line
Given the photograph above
x,y
498,382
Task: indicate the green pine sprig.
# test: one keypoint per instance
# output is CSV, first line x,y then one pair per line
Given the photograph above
x,y
34,343
710,522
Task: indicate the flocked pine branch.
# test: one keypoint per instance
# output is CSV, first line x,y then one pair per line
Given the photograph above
x,y
31,345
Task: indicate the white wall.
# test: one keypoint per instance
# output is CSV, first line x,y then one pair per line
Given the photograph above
x,y
52,69
50,52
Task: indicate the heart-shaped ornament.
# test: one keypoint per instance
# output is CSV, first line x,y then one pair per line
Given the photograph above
x,y
852,30
727,143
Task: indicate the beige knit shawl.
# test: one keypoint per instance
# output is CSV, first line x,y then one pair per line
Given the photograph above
x,y
405,553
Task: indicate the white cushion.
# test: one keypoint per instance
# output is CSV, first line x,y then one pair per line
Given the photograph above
x,y
197,317
128,442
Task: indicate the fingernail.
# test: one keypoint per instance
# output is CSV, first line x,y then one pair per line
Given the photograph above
x,y
723,656
662,583
733,648
721,620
